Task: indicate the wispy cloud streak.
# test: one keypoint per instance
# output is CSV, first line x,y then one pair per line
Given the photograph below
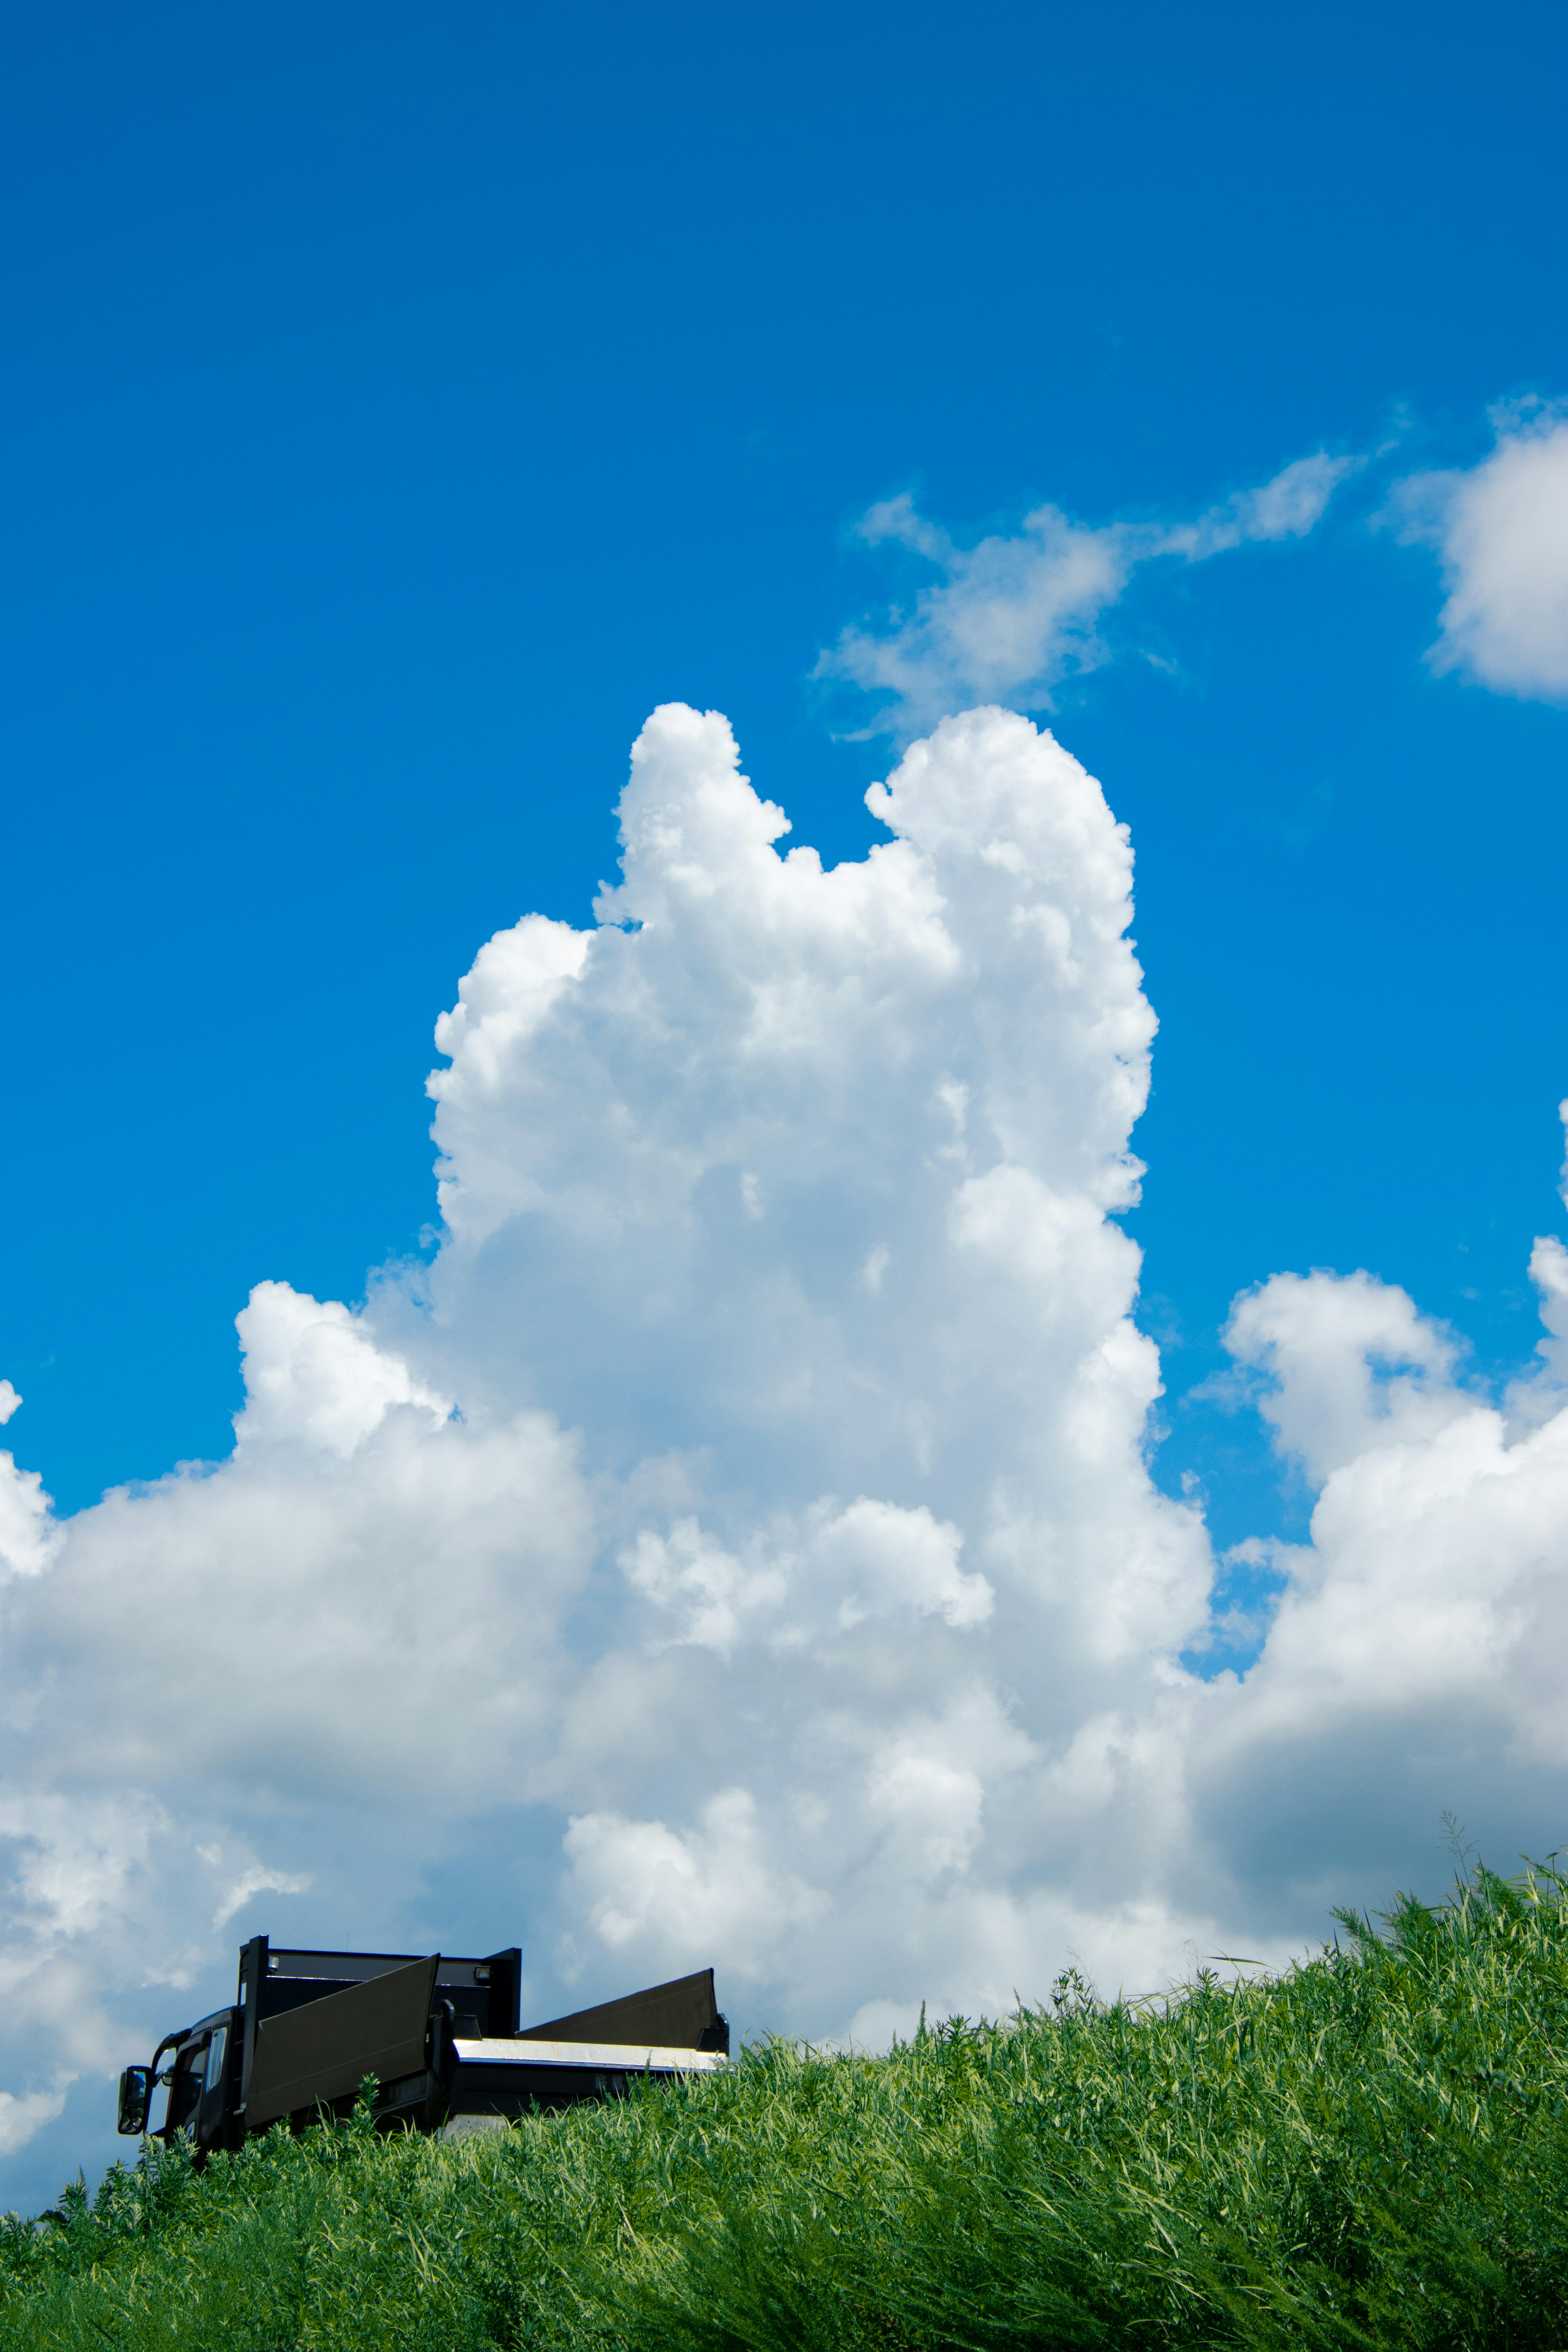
x,y
1008,618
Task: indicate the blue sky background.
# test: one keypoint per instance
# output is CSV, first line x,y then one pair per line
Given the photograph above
x,y
396,404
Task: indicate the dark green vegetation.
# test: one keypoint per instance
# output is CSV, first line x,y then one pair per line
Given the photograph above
x,y
1371,2150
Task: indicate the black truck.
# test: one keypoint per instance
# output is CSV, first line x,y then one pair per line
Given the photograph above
x,y
440,2036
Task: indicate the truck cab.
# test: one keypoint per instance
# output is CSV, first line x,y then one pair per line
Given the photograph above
x,y
189,2085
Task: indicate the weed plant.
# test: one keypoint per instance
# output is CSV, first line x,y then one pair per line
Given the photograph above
x,y
1371,2149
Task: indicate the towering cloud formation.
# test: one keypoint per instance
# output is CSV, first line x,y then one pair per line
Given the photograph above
x,y
793,1191
744,1528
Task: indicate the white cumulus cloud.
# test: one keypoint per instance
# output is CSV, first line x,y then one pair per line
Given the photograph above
x,y
739,1546
313,1375
1417,1655
1500,529
27,1536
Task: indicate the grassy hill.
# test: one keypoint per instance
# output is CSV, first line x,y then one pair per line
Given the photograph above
x,y
1372,2149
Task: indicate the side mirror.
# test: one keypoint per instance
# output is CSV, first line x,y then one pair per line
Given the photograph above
x,y
135,2094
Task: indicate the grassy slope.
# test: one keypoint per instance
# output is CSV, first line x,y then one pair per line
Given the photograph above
x,y
1369,2150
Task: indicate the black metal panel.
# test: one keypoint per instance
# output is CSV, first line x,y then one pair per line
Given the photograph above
x,y
253,1959
484,1993
680,2015
504,2013
322,2051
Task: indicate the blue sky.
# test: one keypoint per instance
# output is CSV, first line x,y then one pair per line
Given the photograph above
x,y
399,403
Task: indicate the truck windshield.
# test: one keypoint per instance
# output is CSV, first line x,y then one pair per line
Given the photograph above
x,y
216,2049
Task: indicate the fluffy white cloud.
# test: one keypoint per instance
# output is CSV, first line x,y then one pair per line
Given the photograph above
x,y
27,1536
839,1567
1417,1655
645,1888
1501,532
744,1526
1008,618
21,2118
307,1616
1353,1366
313,1377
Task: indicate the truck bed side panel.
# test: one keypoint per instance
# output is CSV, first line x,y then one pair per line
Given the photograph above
x,y
324,2050
673,2016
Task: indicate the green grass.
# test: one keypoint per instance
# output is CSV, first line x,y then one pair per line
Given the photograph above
x,y
1372,2149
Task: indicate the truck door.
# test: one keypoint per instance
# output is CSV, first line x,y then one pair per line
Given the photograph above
x,y
212,2102
198,2084
187,2078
